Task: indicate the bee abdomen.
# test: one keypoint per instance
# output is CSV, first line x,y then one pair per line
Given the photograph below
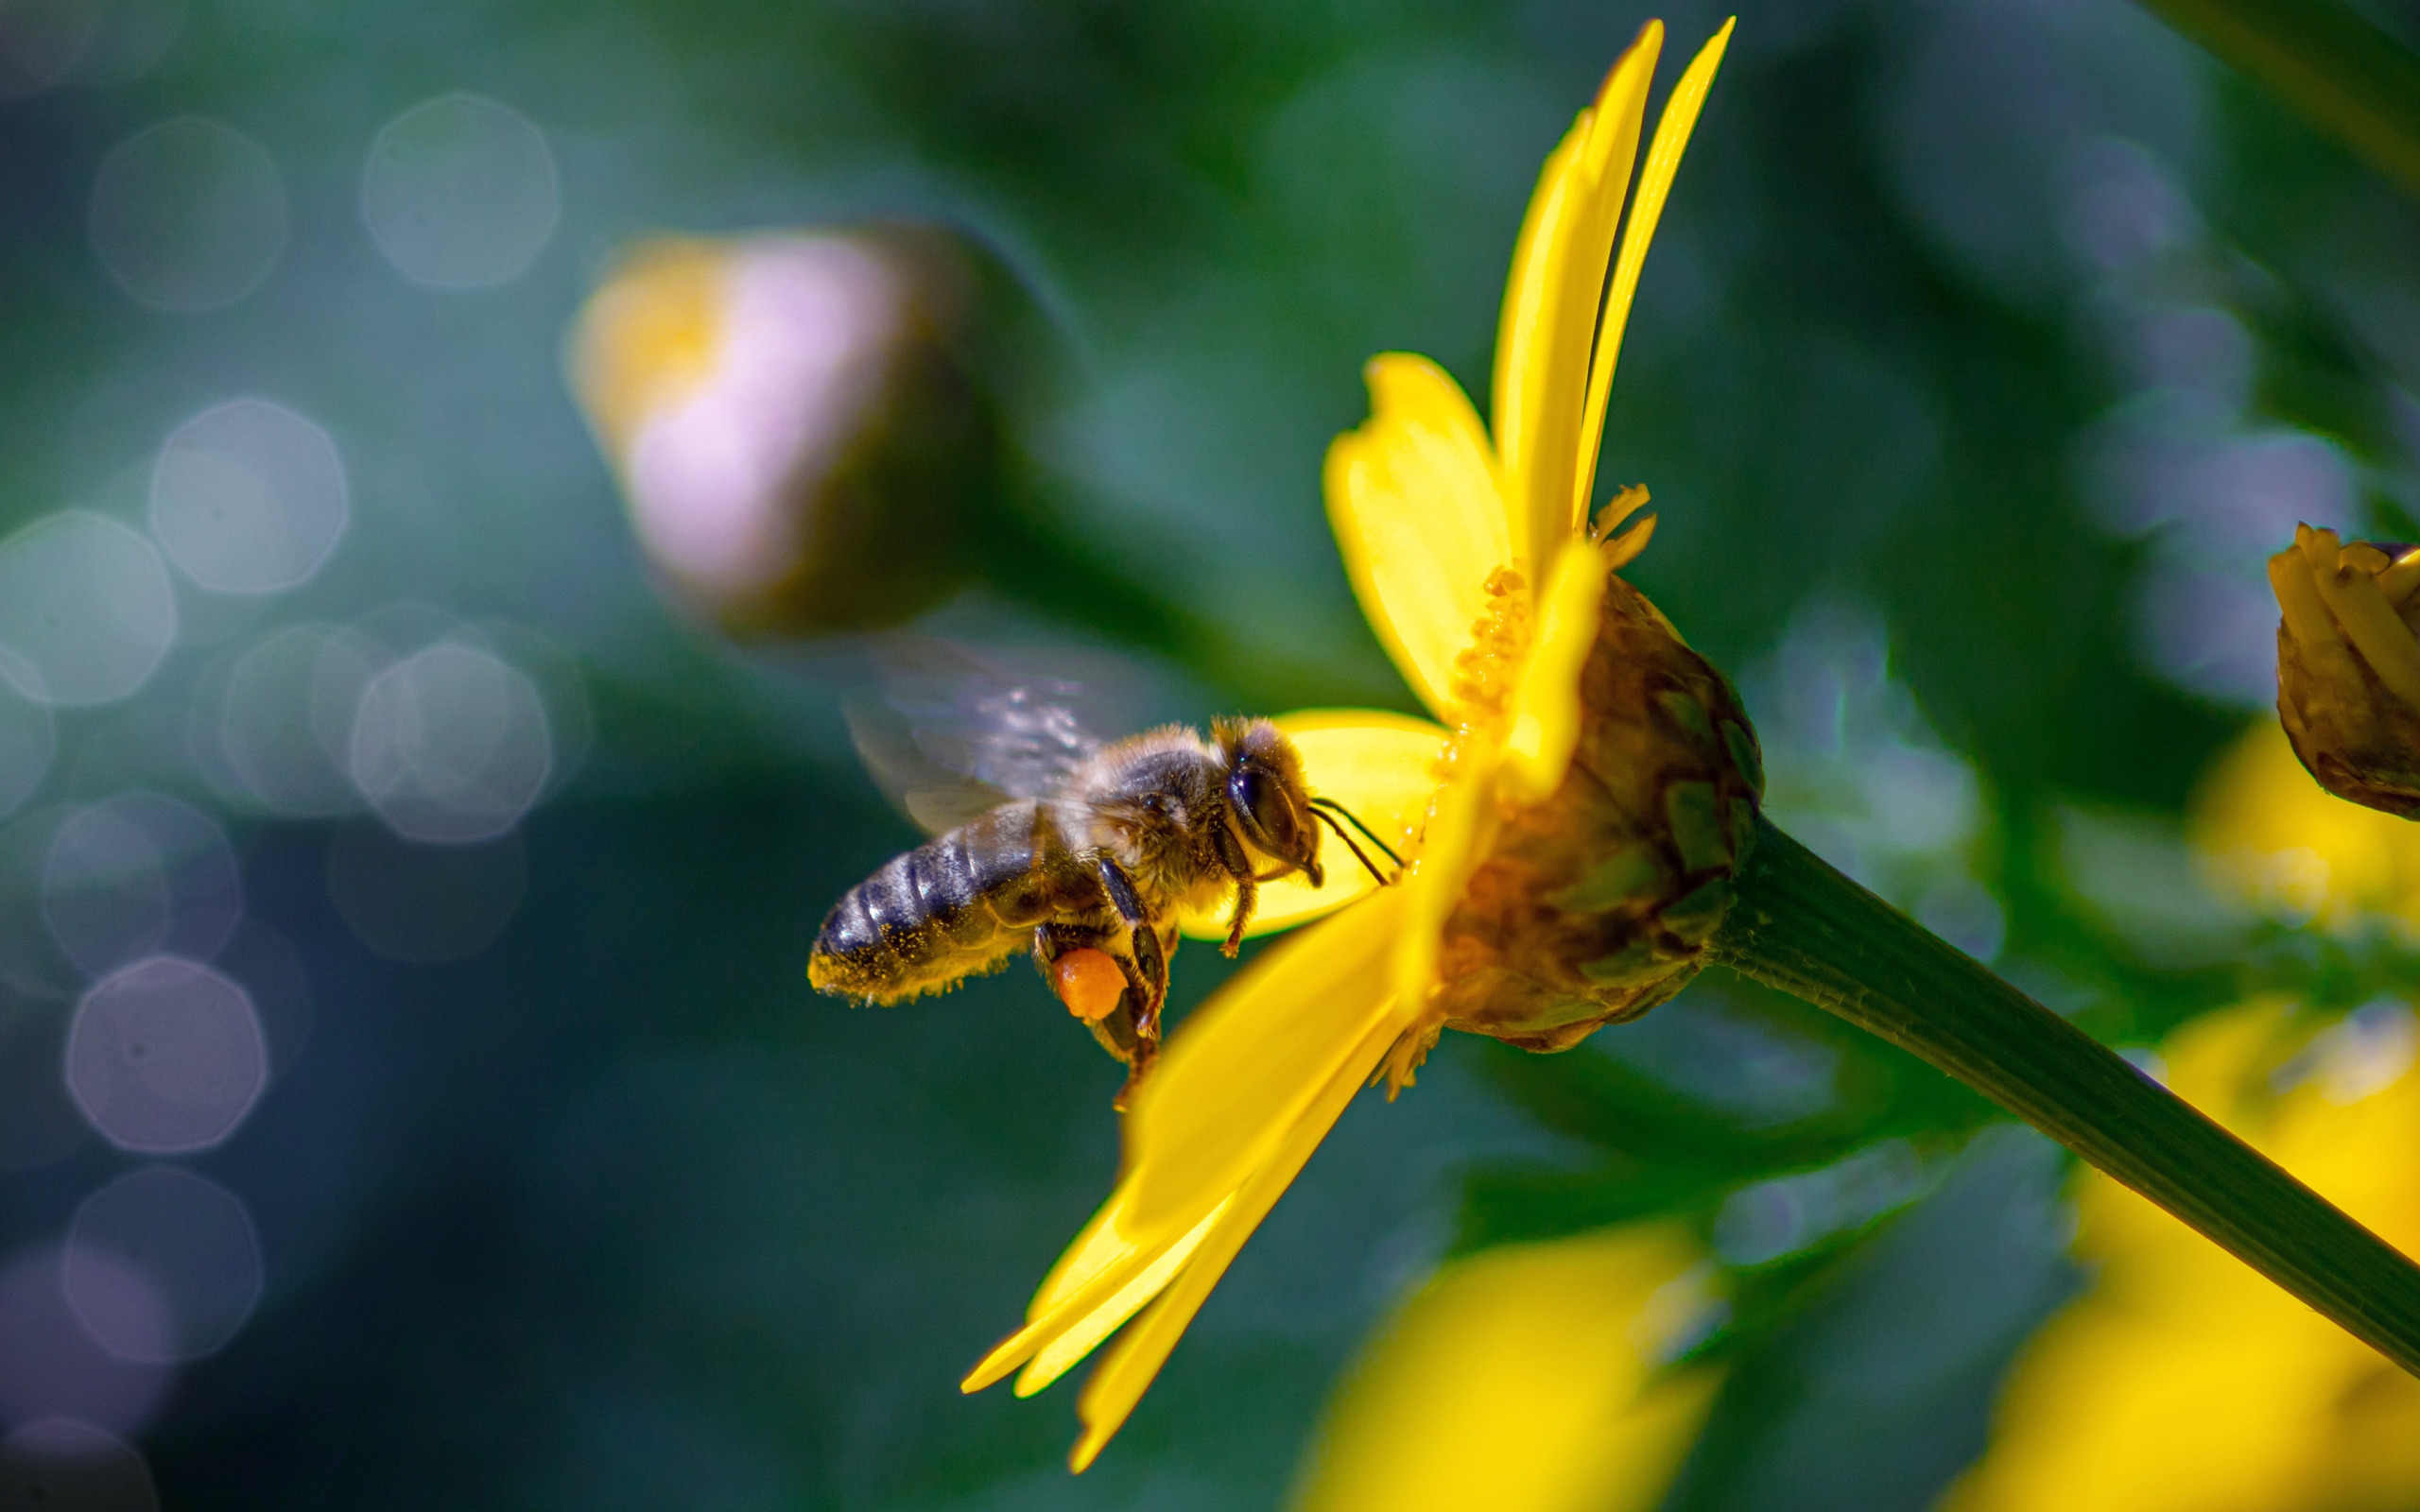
x,y
924,921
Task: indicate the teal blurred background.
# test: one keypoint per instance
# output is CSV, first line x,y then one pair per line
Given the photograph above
x,y
1988,347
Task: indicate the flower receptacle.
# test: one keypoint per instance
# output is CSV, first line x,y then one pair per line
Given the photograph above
x,y
1597,904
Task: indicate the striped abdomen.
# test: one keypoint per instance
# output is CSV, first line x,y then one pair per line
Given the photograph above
x,y
954,906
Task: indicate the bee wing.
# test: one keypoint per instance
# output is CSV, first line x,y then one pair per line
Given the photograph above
x,y
935,799
951,736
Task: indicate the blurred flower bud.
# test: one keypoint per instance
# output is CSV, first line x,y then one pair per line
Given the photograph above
x,y
2348,665
799,432
1597,904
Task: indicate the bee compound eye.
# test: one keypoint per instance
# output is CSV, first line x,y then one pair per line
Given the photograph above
x,y
1271,819
1248,791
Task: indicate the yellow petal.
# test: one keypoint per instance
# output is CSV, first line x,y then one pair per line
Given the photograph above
x,y
1556,383
1654,186
2367,618
2398,581
1054,1359
1525,1379
1094,1276
1379,765
1459,820
1103,1242
1518,330
1546,703
2307,621
1419,517
1234,1079
1621,550
1243,1067
1110,1396
1099,1290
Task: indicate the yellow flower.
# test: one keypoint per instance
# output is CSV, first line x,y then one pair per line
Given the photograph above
x,y
2348,666
2130,1399
2264,832
1475,566
1527,1379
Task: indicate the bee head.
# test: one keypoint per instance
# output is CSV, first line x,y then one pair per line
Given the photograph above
x,y
1267,796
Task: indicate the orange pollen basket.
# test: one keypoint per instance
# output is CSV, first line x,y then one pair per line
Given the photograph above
x,y
1088,982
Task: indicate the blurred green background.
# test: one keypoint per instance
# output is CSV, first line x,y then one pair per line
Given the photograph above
x,y
1988,347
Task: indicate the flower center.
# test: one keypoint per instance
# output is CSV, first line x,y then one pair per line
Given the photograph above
x,y
1484,672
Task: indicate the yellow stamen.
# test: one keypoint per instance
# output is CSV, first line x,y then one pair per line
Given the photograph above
x,y
1484,672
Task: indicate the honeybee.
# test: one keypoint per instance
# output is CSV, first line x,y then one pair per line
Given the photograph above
x,y
1084,846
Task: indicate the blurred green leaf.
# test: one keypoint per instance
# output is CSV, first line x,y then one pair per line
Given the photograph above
x,y
2345,75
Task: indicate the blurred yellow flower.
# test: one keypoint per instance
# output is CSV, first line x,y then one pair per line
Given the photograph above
x,y
2264,832
1526,1380
2131,1400
1477,567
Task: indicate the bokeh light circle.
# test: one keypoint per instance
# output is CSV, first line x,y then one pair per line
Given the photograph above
x,y
127,41
28,734
188,216
424,904
61,1465
143,743
87,604
31,963
136,874
570,722
50,1367
43,42
286,718
450,744
248,497
461,192
193,1240
165,1056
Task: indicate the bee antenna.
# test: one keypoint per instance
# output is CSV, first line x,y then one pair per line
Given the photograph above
x,y
1370,866
1350,818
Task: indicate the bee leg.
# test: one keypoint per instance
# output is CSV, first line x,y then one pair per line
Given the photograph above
x,y
1047,946
1150,961
1130,1033
1238,865
1247,894
1116,1031
1116,1034
1144,932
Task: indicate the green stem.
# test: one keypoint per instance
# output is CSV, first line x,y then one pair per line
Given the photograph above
x,y
1799,925
2345,75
